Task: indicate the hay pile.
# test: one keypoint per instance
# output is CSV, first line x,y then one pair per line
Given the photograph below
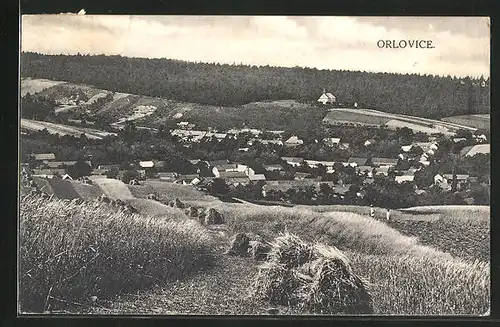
x,y
244,244
176,203
213,217
313,278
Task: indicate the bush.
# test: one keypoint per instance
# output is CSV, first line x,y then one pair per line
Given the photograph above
x,y
74,252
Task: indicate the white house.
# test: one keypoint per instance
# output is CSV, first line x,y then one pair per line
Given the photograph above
x,y
146,164
405,178
331,141
327,98
406,148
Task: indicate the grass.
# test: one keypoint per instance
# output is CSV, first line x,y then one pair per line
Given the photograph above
x,y
354,117
476,121
156,209
345,230
419,285
36,85
71,253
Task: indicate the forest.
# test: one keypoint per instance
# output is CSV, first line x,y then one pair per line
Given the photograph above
x,y
233,85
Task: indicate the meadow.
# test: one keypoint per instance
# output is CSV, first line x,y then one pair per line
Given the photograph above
x,y
476,121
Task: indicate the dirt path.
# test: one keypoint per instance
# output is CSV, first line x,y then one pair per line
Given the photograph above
x,y
222,290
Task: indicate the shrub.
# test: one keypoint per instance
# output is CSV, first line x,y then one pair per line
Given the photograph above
x,y
74,252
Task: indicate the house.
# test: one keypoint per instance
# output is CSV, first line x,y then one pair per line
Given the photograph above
x,y
44,156
194,161
48,173
405,178
327,97
275,142
58,164
406,148
301,176
243,149
331,141
480,138
98,172
146,164
384,161
168,176
183,124
159,163
316,163
186,179
66,176
232,174
293,141
470,151
293,161
108,167
382,170
344,146
369,142
460,177
368,170
276,167
257,177
459,139
218,169
235,181
358,161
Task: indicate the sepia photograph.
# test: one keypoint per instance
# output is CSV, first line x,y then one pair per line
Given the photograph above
x,y
175,165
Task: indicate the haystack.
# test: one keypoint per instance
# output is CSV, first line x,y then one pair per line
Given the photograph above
x,y
213,217
176,203
104,198
314,278
191,212
259,250
238,245
152,197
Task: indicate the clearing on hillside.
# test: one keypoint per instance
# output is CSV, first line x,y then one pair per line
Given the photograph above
x,y
154,208
476,121
37,125
36,85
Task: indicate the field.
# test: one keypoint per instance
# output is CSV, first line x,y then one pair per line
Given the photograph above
x,y
372,117
426,260
476,121
35,125
36,85
77,255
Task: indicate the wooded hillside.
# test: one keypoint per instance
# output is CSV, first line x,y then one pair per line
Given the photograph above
x,y
229,85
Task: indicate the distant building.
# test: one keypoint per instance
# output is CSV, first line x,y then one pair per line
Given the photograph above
x,y
277,167
293,161
294,141
327,98
358,161
405,178
146,164
44,156
331,141
384,161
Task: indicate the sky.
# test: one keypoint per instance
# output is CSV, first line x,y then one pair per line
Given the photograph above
x,y
462,44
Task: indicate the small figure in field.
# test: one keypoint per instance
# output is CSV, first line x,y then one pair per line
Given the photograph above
x,y
372,211
388,214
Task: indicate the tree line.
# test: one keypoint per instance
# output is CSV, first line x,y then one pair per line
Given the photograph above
x,y
232,85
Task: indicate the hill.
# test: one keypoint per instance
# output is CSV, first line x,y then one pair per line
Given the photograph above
x,y
476,121
231,85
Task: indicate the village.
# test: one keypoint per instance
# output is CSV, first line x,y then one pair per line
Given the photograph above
x,y
290,173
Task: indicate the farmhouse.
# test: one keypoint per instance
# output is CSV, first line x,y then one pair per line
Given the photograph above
x,y
276,167
384,162
58,164
186,179
358,161
327,97
276,142
368,170
168,176
293,141
316,163
301,176
257,177
44,156
218,169
406,148
382,170
48,173
405,178
146,164
293,161
108,167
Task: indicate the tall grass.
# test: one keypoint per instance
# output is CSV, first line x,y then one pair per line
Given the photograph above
x,y
419,285
71,252
345,230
